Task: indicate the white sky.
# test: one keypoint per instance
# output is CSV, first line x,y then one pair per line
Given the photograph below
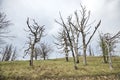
x,y
46,11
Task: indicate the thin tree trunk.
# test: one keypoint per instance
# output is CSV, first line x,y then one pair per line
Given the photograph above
x,y
84,49
31,57
109,54
66,57
35,56
76,53
84,56
110,61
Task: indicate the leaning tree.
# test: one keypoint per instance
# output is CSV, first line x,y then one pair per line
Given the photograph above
x,y
35,35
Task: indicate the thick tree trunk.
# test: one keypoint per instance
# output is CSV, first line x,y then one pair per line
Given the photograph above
x,y
104,58
44,58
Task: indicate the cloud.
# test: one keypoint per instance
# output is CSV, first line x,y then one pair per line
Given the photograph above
x,y
46,11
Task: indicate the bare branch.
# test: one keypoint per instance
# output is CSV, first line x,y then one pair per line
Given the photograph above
x,y
94,32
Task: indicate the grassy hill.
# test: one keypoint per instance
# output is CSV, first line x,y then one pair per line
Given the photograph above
x,y
57,68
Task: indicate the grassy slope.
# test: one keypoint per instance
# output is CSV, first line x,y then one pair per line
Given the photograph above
x,y
57,68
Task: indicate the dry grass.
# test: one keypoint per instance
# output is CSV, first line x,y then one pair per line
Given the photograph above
x,y
57,68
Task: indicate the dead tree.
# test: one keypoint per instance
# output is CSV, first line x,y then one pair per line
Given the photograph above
x,y
103,47
7,53
62,43
35,35
68,34
90,51
74,38
14,55
4,23
81,25
45,50
109,45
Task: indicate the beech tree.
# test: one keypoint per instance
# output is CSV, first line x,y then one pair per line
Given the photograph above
x,y
4,23
14,55
35,35
45,50
82,25
66,27
9,53
108,44
76,26
62,43
103,47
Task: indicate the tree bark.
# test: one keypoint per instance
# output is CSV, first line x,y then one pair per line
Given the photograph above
x,y
66,57
84,56
84,49
31,57
104,58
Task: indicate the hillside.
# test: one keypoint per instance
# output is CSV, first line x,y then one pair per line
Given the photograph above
x,y
58,69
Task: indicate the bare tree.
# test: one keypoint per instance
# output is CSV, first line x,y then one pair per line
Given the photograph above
x,y
103,47
90,51
74,38
14,55
4,23
35,34
81,25
7,53
108,43
45,50
66,27
37,53
62,43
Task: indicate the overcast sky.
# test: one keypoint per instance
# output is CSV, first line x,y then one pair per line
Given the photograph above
x,y
46,11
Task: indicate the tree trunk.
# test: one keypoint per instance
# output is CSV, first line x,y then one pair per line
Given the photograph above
x,y
76,52
44,58
104,58
31,60
84,56
35,56
110,61
66,57
84,49
31,57
109,54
